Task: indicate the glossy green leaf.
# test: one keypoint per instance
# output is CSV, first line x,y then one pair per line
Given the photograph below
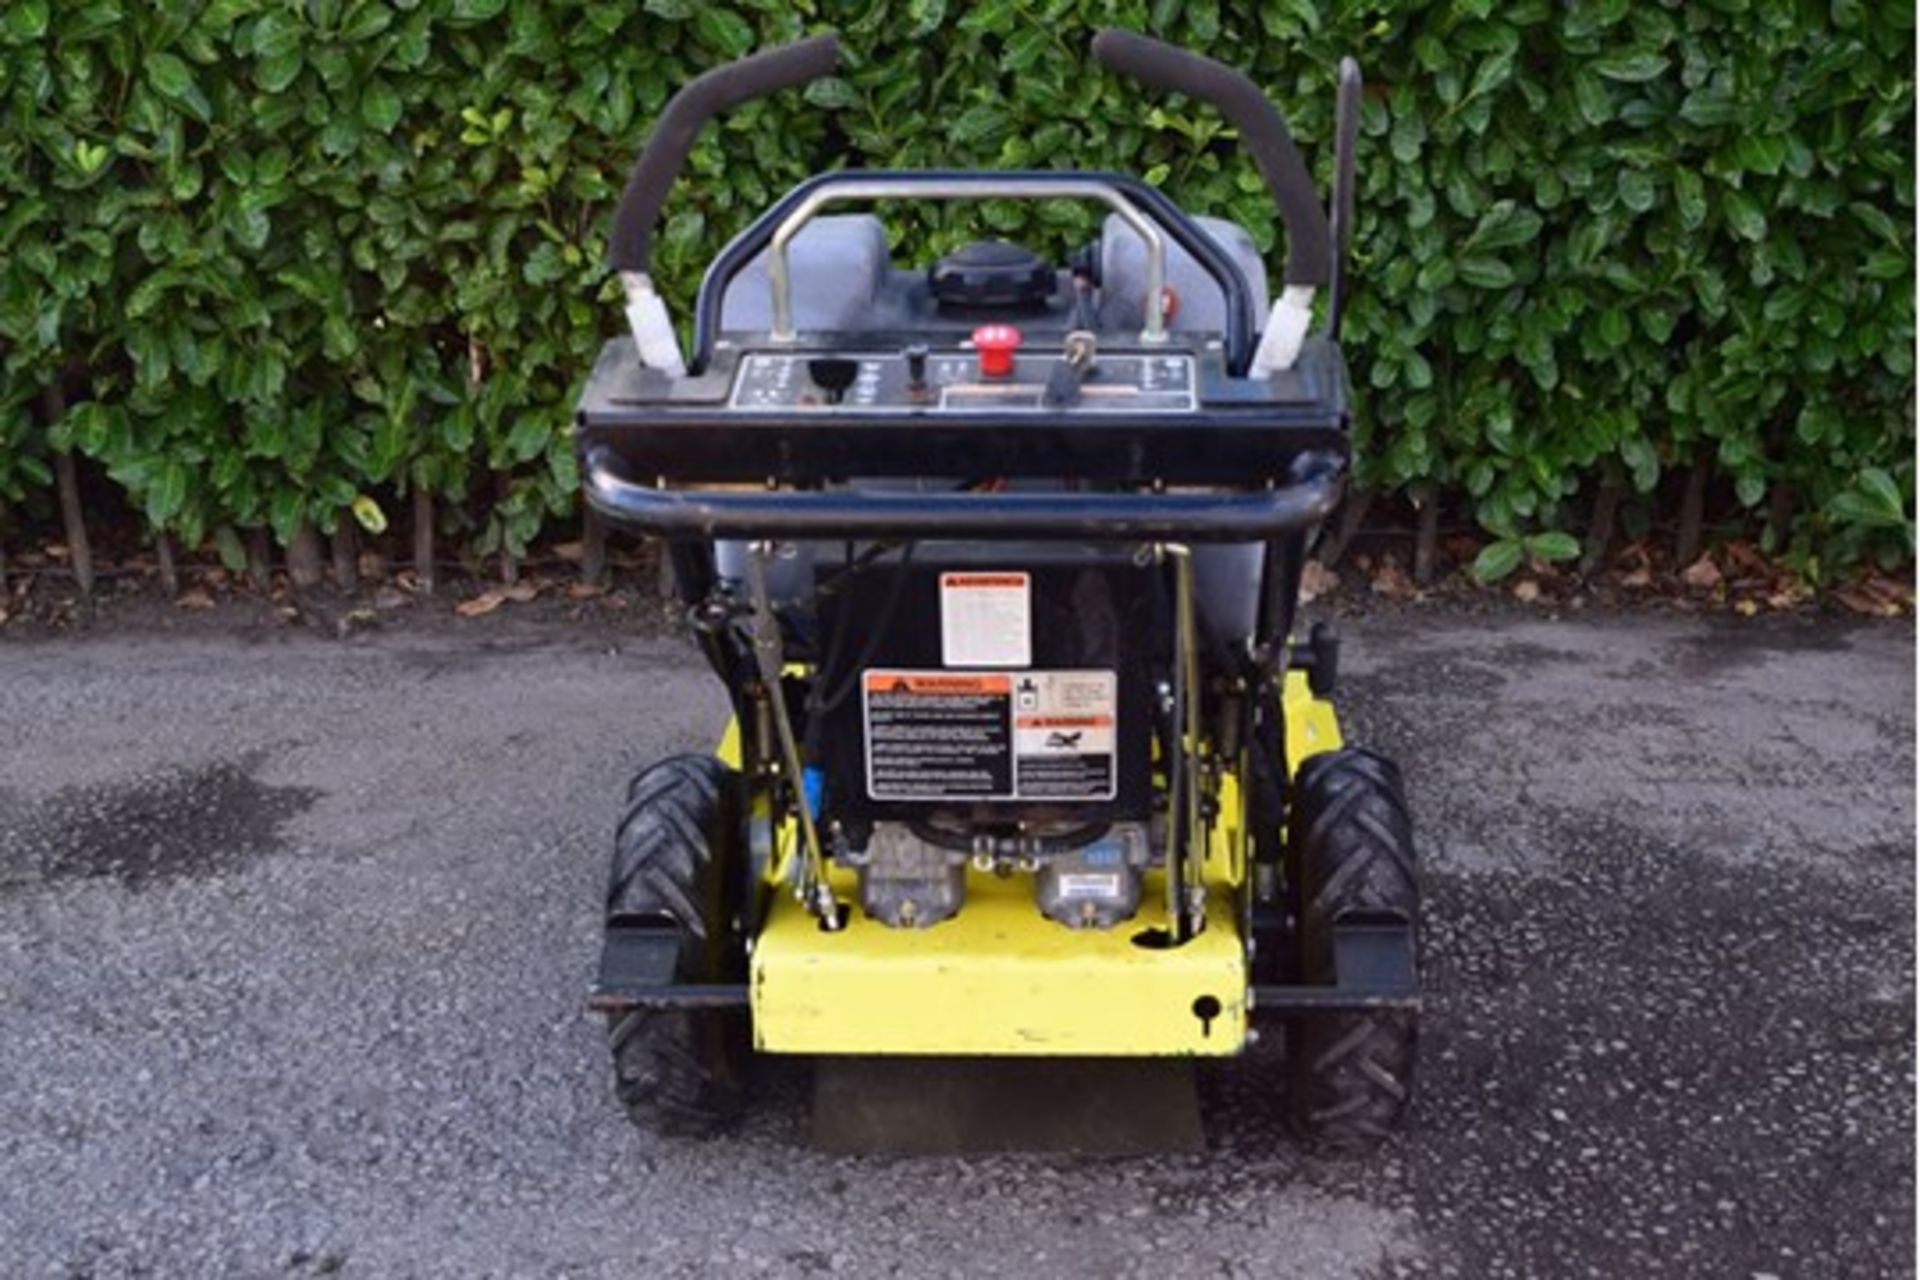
x,y
1486,273
1744,215
1553,545
1498,559
169,75
1632,68
380,106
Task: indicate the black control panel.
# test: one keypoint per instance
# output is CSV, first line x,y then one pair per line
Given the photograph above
x,y
951,381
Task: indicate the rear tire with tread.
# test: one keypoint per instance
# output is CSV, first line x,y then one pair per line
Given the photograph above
x,y
1350,851
678,845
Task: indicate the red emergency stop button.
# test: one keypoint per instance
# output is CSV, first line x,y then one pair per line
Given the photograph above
x,y
996,344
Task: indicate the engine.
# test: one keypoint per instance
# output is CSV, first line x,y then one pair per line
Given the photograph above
x,y
914,876
970,715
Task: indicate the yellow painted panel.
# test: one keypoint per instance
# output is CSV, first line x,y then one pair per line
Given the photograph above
x,y
997,979
1311,724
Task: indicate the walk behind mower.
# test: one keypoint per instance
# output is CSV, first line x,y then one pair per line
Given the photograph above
x,y
998,559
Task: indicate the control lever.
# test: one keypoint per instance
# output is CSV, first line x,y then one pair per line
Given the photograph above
x,y
917,388
1074,368
833,375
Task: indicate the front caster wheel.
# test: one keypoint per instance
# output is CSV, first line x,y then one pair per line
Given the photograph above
x,y
681,1071
1350,851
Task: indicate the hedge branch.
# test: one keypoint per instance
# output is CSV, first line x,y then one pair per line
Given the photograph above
x,y
1426,543
1781,501
1693,506
260,559
593,548
422,538
303,557
1606,510
163,557
67,482
346,556
1352,512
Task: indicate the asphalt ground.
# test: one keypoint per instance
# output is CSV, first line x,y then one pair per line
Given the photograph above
x,y
294,934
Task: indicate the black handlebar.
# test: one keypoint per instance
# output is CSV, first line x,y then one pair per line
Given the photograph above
x,y
1346,132
701,99
1262,129
1244,516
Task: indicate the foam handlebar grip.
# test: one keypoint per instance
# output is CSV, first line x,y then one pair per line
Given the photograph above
x,y
1262,130
700,100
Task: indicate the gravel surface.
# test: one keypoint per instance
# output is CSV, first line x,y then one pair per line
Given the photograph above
x,y
294,935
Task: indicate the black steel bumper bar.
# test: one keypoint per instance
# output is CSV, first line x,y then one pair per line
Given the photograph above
x,y
671,995
847,513
637,961
1374,968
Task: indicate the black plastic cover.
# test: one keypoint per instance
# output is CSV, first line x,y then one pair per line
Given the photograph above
x,y
992,275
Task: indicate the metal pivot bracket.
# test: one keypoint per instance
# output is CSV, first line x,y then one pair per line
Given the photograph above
x,y
810,881
1187,824
1376,967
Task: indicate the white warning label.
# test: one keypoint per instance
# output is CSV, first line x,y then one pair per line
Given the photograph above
x,y
1064,746
986,619
988,735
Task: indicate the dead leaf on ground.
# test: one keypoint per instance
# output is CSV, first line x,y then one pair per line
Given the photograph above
x,y
590,590
1743,558
1392,581
1636,552
521,592
1637,578
1526,591
195,598
1702,573
1876,595
1316,580
571,552
1862,602
355,620
1787,597
1746,606
481,605
1895,591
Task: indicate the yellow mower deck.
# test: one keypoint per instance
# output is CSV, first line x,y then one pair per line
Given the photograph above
x,y
1001,979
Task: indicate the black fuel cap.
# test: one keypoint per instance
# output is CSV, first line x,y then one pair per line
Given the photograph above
x,y
992,275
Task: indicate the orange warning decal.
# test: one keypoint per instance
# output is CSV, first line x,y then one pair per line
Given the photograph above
x,y
1063,722
922,682
983,579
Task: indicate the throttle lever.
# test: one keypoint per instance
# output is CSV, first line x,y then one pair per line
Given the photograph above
x,y
1074,367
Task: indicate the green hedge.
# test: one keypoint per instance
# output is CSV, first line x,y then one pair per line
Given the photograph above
x,y
282,254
